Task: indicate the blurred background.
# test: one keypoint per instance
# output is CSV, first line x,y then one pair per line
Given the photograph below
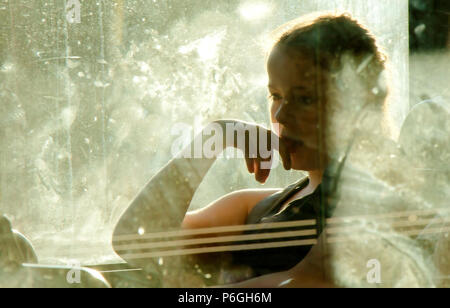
x,y
87,108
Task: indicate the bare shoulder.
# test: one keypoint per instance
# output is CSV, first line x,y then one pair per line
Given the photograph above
x,y
254,196
257,192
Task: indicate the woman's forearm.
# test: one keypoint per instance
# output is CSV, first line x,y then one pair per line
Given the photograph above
x,y
165,199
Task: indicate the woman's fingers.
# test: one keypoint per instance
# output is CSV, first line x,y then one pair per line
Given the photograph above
x,y
284,154
258,173
250,164
262,170
283,150
261,165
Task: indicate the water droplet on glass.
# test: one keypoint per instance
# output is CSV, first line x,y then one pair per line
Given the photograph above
x,y
68,116
144,67
141,231
420,29
7,67
100,84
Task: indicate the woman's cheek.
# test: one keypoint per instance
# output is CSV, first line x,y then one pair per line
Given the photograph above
x,y
276,128
275,124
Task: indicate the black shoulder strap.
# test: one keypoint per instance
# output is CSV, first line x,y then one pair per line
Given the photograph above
x,y
267,205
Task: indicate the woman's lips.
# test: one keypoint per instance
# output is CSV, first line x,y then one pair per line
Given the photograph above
x,y
292,144
287,135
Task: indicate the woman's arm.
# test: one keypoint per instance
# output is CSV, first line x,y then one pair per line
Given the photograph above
x,y
164,200
230,210
162,204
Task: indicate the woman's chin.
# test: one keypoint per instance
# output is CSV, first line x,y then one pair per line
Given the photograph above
x,y
304,159
304,167
302,164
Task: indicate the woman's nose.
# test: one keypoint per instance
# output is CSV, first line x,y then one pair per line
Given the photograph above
x,y
283,114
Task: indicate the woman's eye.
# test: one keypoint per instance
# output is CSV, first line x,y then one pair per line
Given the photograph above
x,y
305,100
275,97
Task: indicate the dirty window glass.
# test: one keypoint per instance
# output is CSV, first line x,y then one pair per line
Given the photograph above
x,y
97,96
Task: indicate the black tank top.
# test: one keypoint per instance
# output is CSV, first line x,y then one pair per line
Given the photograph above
x,y
270,260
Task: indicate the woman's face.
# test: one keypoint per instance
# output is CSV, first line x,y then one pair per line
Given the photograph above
x,y
297,90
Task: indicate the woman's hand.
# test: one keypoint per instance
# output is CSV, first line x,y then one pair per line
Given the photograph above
x,y
257,144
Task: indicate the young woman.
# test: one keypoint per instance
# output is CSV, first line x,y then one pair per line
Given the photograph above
x,y
324,72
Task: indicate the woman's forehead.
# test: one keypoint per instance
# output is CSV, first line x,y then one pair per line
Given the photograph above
x,y
290,69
